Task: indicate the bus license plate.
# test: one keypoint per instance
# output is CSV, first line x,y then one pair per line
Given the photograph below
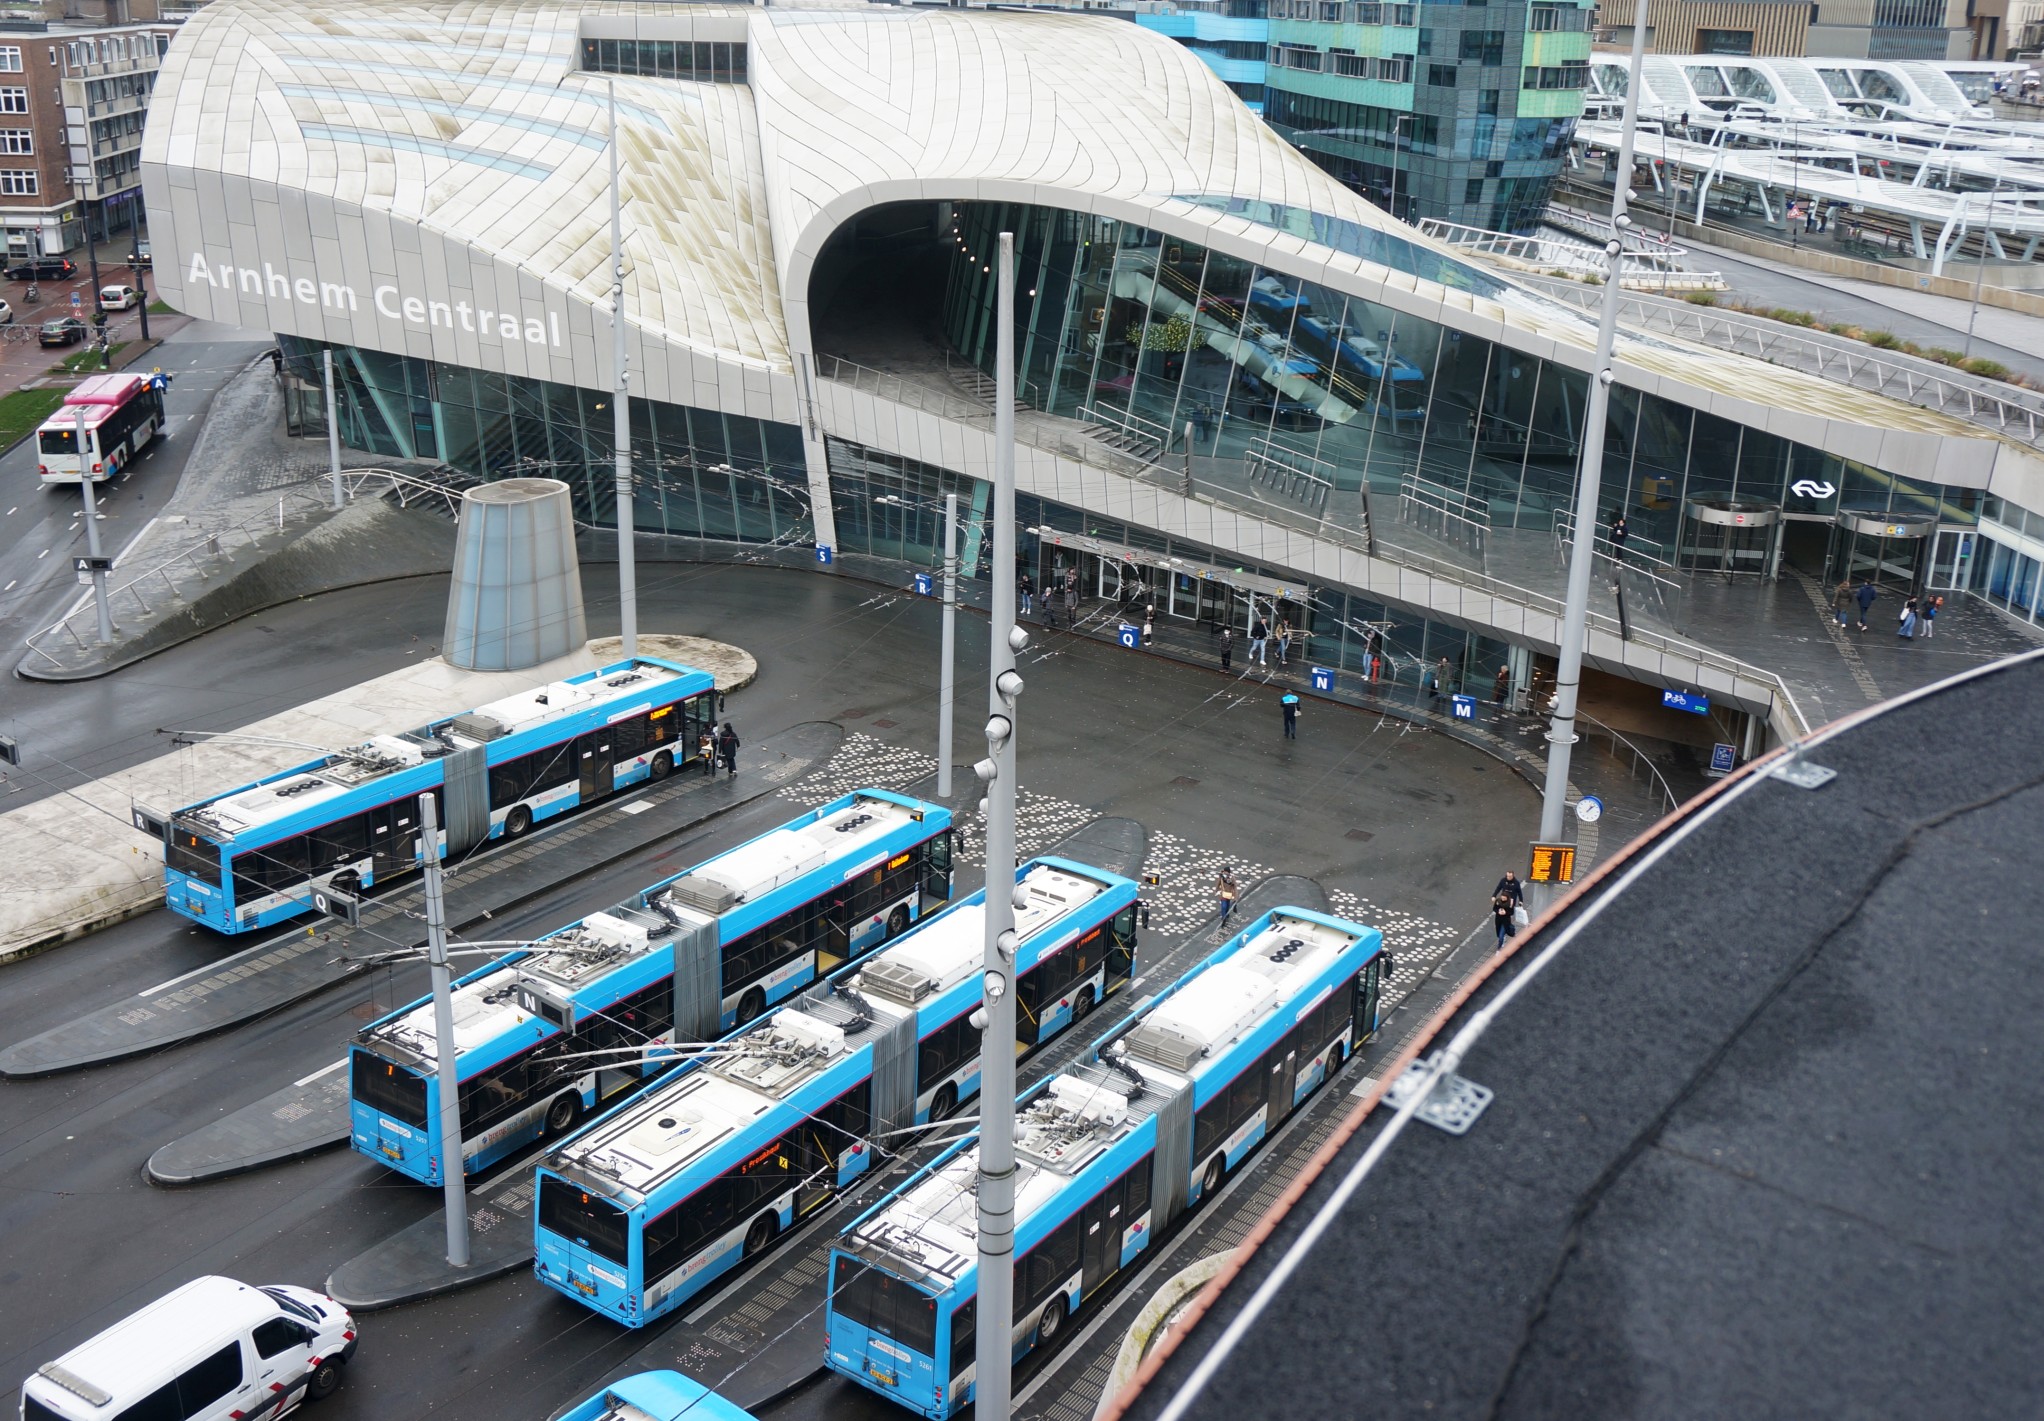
x,y
884,1378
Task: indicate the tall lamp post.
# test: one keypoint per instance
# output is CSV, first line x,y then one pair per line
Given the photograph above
x,y
621,414
993,1353
1397,124
947,678
1980,272
1568,673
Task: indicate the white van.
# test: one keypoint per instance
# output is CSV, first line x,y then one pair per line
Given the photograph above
x,y
213,1350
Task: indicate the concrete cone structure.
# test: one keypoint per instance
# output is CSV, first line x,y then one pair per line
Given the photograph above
x,y
517,595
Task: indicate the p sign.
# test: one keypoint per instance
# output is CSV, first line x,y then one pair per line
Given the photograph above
x,y
1128,636
1323,678
923,584
336,904
823,554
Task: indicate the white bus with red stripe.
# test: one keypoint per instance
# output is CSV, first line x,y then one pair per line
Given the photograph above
x,y
122,414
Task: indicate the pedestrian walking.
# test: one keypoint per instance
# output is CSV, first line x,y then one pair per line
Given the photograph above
x,y
706,751
727,746
1501,916
1510,886
1865,597
1259,638
1927,615
1025,590
1504,686
1905,621
1284,641
1841,602
1225,888
1227,648
1290,704
1618,532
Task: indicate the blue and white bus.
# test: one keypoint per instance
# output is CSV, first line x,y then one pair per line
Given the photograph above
x,y
254,856
655,1396
645,1208
795,902
1108,1155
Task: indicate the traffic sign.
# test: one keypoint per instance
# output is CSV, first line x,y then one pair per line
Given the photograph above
x,y
1128,636
1695,702
1589,809
924,582
1462,707
1552,863
76,302
1323,678
823,553
1723,758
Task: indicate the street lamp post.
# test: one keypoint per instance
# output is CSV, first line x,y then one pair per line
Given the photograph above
x,y
1568,673
452,1164
1980,272
993,1346
1396,125
333,424
99,599
947,677
621,415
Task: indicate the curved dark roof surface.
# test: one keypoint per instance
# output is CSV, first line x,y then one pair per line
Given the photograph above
x,y
1768,1134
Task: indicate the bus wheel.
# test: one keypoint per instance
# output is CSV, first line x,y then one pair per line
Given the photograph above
x,y
325,1380
760,1236
563,1113
944,1102
517,822
1082,1005
751,1006
1050,1322
1216,1172
663,765
897,921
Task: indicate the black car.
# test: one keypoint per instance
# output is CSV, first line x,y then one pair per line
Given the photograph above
x,y
43,269
67,330
140,256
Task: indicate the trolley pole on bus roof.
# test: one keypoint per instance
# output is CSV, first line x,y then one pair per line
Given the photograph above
x,y
333,425
452,1164
993,1349
621,415
1568,671
947,680
99,602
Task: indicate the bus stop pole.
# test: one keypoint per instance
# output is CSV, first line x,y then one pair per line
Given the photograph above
x,y
99,602
333,425
948,680
452,1165
993,1355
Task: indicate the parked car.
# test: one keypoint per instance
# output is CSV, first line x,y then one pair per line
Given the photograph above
x,y
140,256
6,314
67,330
43,269
119,298
212,1350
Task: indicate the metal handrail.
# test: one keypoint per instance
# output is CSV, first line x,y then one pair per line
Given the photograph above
x,y
1640,757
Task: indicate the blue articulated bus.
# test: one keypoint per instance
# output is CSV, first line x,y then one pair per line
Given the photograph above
x,y
791,904
1108,1155
646,1207
655,1396
254,856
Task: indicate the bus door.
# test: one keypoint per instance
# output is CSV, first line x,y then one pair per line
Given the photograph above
x,y
392,839
833,933
1284,1080
1100,1229
597,779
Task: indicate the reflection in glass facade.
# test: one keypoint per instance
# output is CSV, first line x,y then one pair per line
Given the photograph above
x,y
1145,333
697,473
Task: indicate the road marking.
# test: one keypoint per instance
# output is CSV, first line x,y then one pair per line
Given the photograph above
x,y
10,586
43,554
10,512
322,1071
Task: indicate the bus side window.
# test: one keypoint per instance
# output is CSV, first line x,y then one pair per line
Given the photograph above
x,y
342,841
510,782
628,738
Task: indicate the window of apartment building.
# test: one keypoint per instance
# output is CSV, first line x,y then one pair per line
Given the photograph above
x,y
1472,189
13,101
1330,11
1724,41
1548,19
1487,102
1484,47
10,59
15,182
17,140
1441,76
1298,56
1559,76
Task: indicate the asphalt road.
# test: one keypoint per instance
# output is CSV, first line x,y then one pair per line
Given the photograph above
x,y
1181,749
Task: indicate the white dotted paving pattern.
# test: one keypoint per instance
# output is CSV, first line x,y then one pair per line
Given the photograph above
x,y
1183,896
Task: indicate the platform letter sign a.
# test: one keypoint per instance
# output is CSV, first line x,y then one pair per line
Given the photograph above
x,y
1323,679
823,554
1552,863
923,584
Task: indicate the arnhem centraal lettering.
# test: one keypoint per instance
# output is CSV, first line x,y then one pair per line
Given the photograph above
x,y
388,301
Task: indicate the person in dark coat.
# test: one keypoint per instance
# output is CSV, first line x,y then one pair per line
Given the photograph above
x,y
1227,648
1865,597
727,748
1510,886
1501,916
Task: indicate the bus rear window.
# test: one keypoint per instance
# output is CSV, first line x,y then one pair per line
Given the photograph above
x,y
388,1088
595,1222
193,855
59,441
882,1303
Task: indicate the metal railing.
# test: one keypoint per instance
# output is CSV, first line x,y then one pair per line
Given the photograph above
x,y
1445,513
1638,758
2001,408
1300,477
1655,268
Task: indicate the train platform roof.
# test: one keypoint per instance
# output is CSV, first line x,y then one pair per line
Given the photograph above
x,y
1765,1133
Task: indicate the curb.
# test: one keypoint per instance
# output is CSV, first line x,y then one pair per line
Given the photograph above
x,y
1156,1317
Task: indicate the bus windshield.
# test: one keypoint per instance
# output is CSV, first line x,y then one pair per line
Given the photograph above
x,y
60,441
389,1089
595,1223
193,855
883,1303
